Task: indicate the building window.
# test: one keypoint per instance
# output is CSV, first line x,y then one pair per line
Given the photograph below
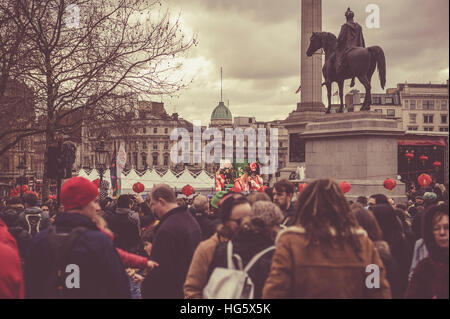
x,y
144,160
135,159
6,164
443,129
155,160
376,100
389,100
428,128
412,104
443,119
428,119
412,128
428,105
166,160
144,145
155,146
379,110
166,130
444,105
166,145
144,130
412,118
390,113
155,130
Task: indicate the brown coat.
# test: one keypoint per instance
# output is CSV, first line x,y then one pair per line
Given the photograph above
x,y
301,271
197,276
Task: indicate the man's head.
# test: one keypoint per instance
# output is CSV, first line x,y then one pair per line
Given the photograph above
x,y
124,201
378,199
163,199
283,191
362,200
30,200
419,200
45,208
349,14
234,208
78,195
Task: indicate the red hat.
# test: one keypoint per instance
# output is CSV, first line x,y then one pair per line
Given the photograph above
x,y
77,192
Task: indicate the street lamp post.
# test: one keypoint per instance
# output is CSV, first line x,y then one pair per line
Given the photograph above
x,y
22,166
100,159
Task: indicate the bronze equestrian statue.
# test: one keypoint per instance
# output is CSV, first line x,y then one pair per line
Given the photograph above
x,y
346,58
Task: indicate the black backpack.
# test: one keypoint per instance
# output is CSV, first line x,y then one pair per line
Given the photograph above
x,y
62,245
33,223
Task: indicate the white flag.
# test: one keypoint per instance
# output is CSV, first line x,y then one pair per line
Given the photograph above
x,y
121,159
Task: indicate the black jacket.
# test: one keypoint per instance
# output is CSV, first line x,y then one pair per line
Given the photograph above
x,y
102,274
125,225
205,222
176,238
289,216
247,244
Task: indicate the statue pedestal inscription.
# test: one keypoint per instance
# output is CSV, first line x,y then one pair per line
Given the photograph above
x,y
360,148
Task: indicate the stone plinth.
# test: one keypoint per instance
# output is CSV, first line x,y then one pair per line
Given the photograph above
x,y
360,148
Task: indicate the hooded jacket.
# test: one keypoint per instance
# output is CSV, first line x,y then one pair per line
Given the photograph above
x,y
125,225
303,271
102,274
430,279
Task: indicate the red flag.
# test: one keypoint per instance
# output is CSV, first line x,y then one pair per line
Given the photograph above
x,y
298,90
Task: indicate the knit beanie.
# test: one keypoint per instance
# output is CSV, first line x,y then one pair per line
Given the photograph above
x,y
217,197
77,192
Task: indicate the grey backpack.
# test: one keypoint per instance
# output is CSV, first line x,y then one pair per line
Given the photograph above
x,y
232,282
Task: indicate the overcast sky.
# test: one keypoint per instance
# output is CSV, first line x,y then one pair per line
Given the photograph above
x,y
257,42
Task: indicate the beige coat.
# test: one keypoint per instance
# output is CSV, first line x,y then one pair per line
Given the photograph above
x,y
301,271
197,276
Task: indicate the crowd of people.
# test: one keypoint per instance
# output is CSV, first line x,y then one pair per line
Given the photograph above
x,y
312,244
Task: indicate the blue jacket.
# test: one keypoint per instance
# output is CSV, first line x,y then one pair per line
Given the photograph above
x,y
102,274
176,238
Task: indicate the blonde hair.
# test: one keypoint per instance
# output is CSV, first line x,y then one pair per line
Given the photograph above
x,y
201,203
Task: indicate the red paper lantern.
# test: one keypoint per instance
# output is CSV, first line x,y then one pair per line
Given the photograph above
x,y
409,155
345,186
138,187
389,183
96,182
437,164
423,158
424,180
301,187
188,190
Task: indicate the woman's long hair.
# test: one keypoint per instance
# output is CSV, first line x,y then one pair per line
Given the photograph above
x,y
325,214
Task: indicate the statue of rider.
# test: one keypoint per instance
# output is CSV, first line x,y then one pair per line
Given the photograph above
x,y
350,36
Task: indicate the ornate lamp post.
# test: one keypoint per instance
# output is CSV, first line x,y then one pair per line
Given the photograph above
x,y
100,158
22,167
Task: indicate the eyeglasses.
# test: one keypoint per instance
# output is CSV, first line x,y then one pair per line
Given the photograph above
x,y
238,220
438,229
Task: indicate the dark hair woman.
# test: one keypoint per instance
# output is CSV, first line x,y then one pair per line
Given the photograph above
x,y
430,279
326,253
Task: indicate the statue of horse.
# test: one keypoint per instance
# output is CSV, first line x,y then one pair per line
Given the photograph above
x,y
361,63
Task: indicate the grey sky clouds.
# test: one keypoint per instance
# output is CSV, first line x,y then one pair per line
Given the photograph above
x,y
257,42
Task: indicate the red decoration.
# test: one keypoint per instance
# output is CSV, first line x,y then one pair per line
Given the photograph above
x,y
188,190
25,188
409,155
437,164
138,187
301,187
423,158
345,186
253,167
389,183
424,180
96,182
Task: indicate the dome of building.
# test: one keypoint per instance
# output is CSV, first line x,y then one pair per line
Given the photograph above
x,y
221,112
